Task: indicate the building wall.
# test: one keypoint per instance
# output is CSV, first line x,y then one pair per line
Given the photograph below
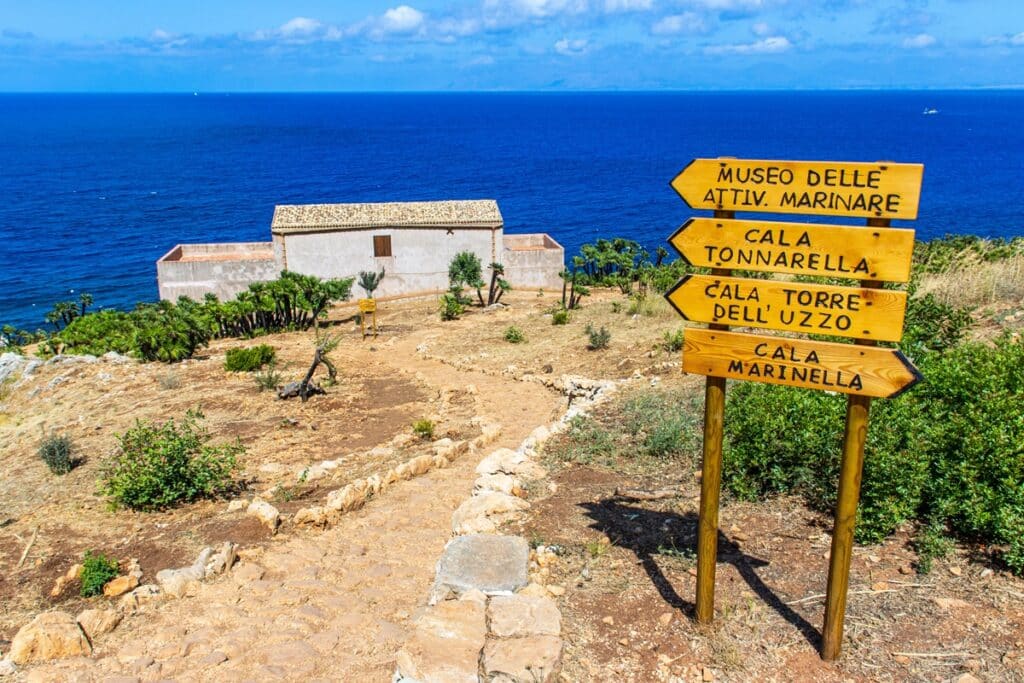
x,y
419,260
194,270
533,261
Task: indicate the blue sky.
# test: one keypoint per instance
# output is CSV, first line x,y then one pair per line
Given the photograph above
x,y
259,45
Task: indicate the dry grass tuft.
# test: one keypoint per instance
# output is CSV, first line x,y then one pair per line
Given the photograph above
x,y
973,283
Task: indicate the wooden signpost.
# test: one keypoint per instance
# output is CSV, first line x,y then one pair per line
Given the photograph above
x,y
831,188
368,307
868,314
796,248
791,306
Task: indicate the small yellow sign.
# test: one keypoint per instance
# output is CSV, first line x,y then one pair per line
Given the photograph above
x,y
845,368
869,190
367,306
791,306
799,248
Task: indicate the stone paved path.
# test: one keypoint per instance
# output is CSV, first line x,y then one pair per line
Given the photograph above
x,y
331,605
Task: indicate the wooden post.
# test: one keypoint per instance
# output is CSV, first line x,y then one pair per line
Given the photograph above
x,y
711,480
851,468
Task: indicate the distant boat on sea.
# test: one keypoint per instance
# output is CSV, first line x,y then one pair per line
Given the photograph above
x,y
928,110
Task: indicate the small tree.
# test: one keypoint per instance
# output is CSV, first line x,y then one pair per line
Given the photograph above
x,y
324,345
370,280
465,271
499,285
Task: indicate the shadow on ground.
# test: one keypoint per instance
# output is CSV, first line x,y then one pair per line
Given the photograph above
x,y
649,533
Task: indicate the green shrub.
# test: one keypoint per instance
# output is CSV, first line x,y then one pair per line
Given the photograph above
x,y
662,424
931,543
514,335
450,306
96,571
171,332
673,341
560,317
269,379
249,359
948,452
57,452
598,339
159,465
423,428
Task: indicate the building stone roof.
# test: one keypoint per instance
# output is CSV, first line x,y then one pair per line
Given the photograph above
x,y
292,218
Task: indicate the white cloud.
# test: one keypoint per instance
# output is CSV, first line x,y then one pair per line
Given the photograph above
x,y
771,45
761,29
571,48
401,19
300,26
687,22
1015,40
482,60
921,40
612,6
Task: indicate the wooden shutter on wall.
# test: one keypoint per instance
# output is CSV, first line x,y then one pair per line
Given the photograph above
x,y
381,245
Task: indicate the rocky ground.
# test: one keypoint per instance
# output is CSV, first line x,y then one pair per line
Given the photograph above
x,y
342,512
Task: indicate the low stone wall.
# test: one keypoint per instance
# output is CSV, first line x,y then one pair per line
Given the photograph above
x,y
195,270
490,616
533,261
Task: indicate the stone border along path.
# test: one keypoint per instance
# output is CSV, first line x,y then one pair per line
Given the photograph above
x,y
486,622
336,603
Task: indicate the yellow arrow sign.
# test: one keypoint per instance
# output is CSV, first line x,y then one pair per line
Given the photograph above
x,y
835,188
791,306
799,248
849,369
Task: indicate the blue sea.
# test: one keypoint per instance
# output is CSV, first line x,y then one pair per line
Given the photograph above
x,y
95,188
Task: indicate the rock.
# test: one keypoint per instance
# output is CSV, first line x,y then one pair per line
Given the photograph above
x,y
956,571
96,622
7,668
967,678
483,513
707,674
346,498
501,482
495,565
533,659
507,461
143,594
880,586
610,620
51,635
446,644
540,434
514,616
119,586
180,582
665,619
222,560
556,591
950,603
420,465
905,569
314,516
535,590
266,513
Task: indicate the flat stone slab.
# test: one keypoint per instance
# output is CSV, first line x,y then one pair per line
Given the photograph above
x,y
533,659
514,616
494,565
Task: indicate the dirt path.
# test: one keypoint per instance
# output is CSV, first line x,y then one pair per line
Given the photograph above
x,y
328,605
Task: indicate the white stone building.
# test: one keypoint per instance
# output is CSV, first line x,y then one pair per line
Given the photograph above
x,y
413,242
